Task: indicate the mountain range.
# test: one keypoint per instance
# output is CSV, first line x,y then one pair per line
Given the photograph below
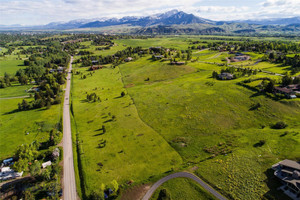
x,y
174,22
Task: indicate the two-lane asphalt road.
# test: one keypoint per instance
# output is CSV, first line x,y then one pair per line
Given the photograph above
x,y
69,184
182,175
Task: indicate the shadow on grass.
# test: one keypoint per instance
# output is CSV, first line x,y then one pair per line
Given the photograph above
x,y
12,112
259,93
98,134
273,184
109,120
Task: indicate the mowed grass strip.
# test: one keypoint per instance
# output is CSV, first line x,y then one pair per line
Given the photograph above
x,y
15,91
132,150
10,66
16,125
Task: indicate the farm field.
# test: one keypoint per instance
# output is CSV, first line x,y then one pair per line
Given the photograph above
x,y
10,66
198,112
15,125
14,91
128,149
182,189
208,122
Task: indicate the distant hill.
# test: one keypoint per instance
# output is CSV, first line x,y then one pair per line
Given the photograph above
x,y
171,22
169,18
276,21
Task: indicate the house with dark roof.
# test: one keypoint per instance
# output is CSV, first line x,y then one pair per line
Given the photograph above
x,y
288,171
225,76
289,91
95,67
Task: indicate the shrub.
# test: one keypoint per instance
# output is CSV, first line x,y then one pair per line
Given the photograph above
x,y
279,125
164,195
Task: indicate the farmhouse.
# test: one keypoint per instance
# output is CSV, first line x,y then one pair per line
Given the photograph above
x,y
177,63
288,171
158,57
34,89
239,58
289,90
225,76
128,59
95,67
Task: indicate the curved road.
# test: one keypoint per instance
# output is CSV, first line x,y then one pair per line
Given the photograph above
x,y
182,175
69,185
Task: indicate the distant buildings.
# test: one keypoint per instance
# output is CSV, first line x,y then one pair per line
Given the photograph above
x,y
177,63
95,67
289,91
7,173
128,59
239,58
225,76
288,172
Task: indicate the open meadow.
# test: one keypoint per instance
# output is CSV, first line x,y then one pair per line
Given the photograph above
x,y
182,189
186,119
114,143
24,127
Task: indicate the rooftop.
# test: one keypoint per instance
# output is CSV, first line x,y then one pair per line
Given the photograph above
x,y
290,163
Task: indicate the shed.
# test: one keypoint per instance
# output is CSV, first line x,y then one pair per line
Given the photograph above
x,y
46,164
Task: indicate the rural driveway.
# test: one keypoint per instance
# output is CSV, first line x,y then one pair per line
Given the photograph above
x,y
182,175
14,97
69,185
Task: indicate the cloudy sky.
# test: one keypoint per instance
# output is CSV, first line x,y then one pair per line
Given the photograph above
x,y
34,12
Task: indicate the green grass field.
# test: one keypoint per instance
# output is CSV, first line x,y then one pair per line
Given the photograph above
x,y
15,125
132,150
10,66
183,189
197,112
182,106
14,91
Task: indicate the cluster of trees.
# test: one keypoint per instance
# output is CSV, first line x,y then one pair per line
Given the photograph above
x,y
256,46
236,72
49,93
109,191
93,97
115,59
29,158
293,61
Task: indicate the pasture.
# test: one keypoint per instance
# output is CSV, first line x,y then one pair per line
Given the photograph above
x,y
15,125
128,149
183,189
211,125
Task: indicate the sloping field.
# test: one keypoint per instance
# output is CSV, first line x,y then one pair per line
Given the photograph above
x,y
128,149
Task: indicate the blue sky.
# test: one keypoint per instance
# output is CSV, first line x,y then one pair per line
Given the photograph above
x,y
34,12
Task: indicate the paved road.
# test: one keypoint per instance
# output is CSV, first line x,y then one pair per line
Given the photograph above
x,y
69,185
182,175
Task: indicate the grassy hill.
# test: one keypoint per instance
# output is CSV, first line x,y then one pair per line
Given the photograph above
x,y
131,149
210,124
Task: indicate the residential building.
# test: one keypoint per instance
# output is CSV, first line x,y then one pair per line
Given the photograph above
x,y
288,171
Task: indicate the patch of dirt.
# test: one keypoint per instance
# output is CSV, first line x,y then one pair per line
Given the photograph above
x,y
136,192
129,85
194,168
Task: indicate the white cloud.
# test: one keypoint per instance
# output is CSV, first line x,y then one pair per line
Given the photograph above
x,y
45,11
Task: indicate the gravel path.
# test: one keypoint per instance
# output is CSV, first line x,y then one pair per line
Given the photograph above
x,y
182,175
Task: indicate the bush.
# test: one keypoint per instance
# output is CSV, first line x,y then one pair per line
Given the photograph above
x,y
279,125
164,195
